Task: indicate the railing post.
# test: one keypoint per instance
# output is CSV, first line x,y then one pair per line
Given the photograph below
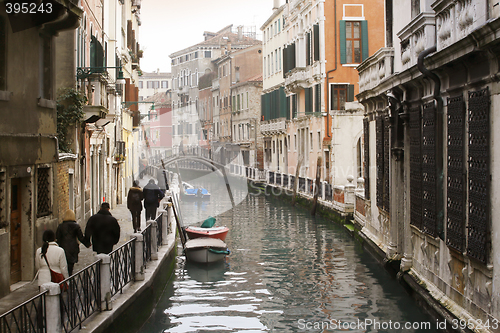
x,y
52,306
139,262
349,191
105,268
165,226
154,239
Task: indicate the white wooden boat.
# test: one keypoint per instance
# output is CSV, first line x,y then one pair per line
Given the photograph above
x,y
205,250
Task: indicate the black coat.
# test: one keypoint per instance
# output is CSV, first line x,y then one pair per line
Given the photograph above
x,y
104,230
134,199
152,195
67,234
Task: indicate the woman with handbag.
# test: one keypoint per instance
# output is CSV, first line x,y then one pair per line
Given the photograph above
x,y
50,257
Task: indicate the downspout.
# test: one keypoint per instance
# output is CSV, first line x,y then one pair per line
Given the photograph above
x,y
332,70
439,138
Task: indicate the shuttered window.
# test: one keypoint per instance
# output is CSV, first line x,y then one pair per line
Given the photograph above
x,y
353,41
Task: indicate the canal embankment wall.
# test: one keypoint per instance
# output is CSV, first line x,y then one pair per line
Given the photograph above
x,y
428,297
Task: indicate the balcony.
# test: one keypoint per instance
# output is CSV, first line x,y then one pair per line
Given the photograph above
x,y
273,127
376,69
417,36
457,19
98,102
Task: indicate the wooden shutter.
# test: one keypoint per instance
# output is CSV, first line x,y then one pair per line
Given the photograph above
x,y
350,93
364,40
316,42
342,41
308,49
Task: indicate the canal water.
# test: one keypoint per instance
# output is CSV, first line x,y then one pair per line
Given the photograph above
x,y
287,272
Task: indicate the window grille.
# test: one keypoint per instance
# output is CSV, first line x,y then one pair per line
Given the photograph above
x,y
43,192
479,175
455,221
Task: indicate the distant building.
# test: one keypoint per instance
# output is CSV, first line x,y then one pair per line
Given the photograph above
x,y
188,65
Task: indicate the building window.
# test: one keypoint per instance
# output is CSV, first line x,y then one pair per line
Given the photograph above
x,y
353,41
208,54
339,95
141,85
43,192
164,84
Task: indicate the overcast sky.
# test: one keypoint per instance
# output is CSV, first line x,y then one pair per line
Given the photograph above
x,y
172,25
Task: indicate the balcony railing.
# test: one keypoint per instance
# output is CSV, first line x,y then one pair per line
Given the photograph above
x,y
457,19
417,36
376,69
275,126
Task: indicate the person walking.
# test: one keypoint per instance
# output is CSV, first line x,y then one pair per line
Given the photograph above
x,y
67,236
50,254
152,197
134,204
104,230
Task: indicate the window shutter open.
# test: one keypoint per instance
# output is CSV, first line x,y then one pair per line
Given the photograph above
x,y
364,40
342,42
350,93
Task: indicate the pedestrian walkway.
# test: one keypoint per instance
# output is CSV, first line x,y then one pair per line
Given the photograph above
x,y
23,291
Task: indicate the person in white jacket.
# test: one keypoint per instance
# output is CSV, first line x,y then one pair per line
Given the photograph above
x,y
55,256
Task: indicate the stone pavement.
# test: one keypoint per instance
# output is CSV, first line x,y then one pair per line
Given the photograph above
x,y
25,290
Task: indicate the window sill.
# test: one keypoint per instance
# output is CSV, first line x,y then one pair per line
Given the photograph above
x,y
47,103
5,95
350,65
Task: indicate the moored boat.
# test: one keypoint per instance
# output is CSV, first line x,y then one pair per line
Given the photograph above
x,y
194,193
205,250
214,232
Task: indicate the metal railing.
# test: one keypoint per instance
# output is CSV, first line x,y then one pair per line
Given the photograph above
x,y
277,179
26,317
302,184
271,177
146,251
83,297
122,266
159,231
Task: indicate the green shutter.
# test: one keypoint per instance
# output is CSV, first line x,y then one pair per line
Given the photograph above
x,y
282,97
342,41
317,107
350,93
364,40
316,42
308,49
263,106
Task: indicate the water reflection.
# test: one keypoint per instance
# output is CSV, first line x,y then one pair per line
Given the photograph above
x,y
286,272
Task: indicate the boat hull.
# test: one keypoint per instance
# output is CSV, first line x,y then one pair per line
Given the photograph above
x,y
217,232
205,250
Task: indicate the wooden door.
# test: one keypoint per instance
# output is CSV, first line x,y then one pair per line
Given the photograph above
x,y
15,231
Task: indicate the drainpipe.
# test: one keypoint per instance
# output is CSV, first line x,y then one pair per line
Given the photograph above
x,y
332,70
439,137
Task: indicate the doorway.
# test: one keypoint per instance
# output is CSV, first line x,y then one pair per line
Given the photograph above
x,y
15,231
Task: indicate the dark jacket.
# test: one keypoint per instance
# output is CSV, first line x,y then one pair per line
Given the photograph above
x,y
67,233
104,230
134,199
152,195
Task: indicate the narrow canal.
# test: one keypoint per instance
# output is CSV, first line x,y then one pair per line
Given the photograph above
x,y
287,272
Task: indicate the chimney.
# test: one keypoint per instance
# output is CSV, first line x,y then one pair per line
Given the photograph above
x,y
229,45
276,4
240,32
